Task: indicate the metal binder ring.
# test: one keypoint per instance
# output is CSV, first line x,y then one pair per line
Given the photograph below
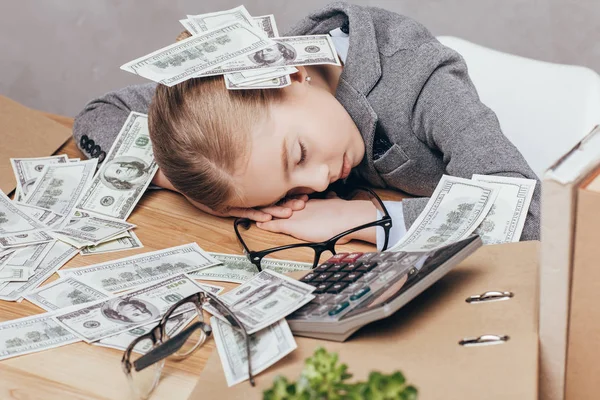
x,y
489,296
484,340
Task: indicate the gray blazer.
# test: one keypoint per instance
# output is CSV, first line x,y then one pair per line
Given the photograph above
x,y
397,79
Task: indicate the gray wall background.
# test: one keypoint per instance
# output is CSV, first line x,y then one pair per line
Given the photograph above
x,y
58,54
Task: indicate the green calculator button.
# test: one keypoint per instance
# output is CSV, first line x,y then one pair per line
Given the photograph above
x,y
339,308
360,293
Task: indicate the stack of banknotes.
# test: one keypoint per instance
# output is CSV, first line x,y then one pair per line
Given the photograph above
x,y
247,50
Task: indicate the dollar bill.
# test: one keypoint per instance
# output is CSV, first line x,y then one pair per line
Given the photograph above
x,y
14,274
265,299
74,159
128,241
25,239
456,208
13,220
30,256
208,50
506,219
46,217
266,23
274,83
5,255
58,256
94,321
287,51
63,293
174,325
238,269
210,21
27,170
266,348
125,173
257,75
84,228
141,269
61,185
32,334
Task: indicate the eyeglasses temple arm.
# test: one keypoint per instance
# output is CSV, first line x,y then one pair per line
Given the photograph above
x,y
169,347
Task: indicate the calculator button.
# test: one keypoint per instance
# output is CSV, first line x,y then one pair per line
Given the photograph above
x,y
396,256
308,277
369,276
367,266
367,257
324,298
351,267
352,276
306,310
322,277
382,267
336,299
380,257
322,267
321,310
352,257
322,287
337,276
339,308
337,287
336,267
337,258
360,293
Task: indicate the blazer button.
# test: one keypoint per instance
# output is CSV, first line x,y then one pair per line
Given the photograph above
x,y
101,157
89,145
95,151
83,141
345,28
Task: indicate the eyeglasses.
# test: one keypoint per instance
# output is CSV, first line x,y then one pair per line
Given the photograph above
x,y
315,250
144,358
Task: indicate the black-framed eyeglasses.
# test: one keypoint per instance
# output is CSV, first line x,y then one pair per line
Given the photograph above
x,y
144,358
316,250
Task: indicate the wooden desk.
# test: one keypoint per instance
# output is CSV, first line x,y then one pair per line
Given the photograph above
x,y
81,371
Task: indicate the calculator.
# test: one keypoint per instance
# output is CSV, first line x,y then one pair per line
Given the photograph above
x,y
354,289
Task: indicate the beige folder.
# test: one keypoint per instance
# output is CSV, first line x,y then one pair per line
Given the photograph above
x,y
25,133
422,339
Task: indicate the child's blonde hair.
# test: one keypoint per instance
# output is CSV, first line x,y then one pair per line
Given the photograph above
x,y
200,134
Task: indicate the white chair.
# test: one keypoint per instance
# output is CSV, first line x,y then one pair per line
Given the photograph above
x,y
543,108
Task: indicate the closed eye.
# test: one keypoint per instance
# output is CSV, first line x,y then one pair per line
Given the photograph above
x,y
302,153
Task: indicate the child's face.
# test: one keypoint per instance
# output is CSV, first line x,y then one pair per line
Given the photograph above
x,y
309,142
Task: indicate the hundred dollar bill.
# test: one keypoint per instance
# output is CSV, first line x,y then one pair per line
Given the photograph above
x,y
174,325
25,239
61,185
265,299
273,83
455,210
27,170
128,241
266,348
58,256
47,217
32,334
30,256
84,228
506,219
125,173
63,293
14,274
238,269
257,75
140,269
287,51
13,220
108,317
208,50
209,21
5,255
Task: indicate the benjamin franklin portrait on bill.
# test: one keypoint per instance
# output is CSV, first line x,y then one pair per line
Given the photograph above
x,y
274,56
125,173
129,310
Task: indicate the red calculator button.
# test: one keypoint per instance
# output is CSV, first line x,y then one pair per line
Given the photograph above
x,y
337,258
352,257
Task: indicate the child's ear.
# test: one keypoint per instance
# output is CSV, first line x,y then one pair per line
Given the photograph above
x,y
300,76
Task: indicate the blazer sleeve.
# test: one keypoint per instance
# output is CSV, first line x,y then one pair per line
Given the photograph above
x,y
100,121
449,117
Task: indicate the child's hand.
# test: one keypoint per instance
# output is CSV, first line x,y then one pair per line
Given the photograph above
x,y
322,219
282,210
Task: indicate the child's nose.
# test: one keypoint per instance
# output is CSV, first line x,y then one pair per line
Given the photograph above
x,y
319,178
